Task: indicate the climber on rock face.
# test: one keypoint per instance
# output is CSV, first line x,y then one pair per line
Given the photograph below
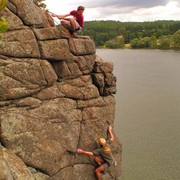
x,y
102,155
75,23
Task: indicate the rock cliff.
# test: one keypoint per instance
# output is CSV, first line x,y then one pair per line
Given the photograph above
x,y
55,97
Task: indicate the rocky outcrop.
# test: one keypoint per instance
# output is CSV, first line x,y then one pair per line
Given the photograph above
x,y
55,97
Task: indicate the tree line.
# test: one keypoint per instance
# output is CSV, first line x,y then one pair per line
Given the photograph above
x,y
116,34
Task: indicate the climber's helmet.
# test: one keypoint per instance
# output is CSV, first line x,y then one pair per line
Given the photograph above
x,y
102,141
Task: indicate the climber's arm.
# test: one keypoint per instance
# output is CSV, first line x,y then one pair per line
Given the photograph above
x,y
111,133
80,151
61,16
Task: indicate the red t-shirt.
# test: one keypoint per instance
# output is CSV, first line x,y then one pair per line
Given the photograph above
x,y
79,18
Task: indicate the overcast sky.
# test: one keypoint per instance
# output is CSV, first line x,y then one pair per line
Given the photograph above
x,y
122,10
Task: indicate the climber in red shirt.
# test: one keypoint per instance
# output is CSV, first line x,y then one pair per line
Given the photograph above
x,y
75,23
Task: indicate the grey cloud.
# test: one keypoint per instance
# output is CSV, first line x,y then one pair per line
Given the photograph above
x,y
114,10
105,12
125,3
178,3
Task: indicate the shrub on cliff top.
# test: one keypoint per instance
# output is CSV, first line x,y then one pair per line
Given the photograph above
x,y
3,4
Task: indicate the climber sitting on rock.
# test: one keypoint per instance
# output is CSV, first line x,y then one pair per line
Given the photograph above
x,y
75,23
102,155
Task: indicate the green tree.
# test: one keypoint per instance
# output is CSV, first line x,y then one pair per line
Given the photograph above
x,y
120,41
134,43
3,23
176,38
139,34
153,42
132,35
165,42
3,4
115,43
108,44
144,42
112,44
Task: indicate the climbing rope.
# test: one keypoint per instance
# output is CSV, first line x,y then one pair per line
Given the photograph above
x,y
97,135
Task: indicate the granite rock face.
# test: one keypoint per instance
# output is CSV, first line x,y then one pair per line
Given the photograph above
x,y
56,95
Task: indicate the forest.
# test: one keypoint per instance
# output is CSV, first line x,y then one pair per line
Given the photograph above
x,y
116,34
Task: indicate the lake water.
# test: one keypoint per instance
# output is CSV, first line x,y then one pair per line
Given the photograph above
x,y
147,112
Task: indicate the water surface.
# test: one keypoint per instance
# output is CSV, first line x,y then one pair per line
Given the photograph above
x,y
147,112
